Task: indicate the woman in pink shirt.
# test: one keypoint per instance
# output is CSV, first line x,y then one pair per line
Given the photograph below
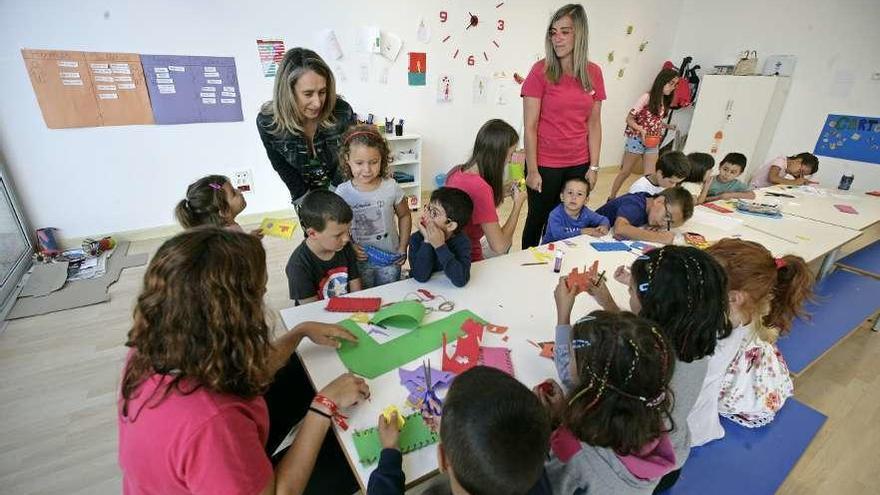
x,y
562,107
192,417
481,177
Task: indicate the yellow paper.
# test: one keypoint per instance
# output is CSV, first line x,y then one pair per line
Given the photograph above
x,y
278,227
388,411
360,318
540,256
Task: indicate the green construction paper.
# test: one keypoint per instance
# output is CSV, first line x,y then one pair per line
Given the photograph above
x,y
405,314
370,359
414,435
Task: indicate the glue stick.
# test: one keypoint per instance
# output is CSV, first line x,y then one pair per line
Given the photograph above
x,y
557,261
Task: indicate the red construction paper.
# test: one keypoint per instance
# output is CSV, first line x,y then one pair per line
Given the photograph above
x,y
467,350
354,304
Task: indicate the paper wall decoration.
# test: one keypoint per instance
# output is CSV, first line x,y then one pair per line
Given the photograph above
x,y
444,89
418,67
191,89
850,137
88,89
271,51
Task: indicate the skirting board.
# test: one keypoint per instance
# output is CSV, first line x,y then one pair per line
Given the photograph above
x,y
81,292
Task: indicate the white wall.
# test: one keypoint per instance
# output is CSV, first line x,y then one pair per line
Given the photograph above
x,y
110,179
836,44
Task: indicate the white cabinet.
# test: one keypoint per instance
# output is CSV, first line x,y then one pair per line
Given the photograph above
x,y
406,158
737,114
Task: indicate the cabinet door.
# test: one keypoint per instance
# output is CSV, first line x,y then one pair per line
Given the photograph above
x,y
709,112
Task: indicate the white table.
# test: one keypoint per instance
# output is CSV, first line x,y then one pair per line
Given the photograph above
x,y
790,234
500,291
818,204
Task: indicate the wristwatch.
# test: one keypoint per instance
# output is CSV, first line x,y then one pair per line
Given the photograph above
x,y
594,169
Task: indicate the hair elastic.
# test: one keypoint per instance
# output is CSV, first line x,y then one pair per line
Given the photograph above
x,y
215,186
780,263
361,133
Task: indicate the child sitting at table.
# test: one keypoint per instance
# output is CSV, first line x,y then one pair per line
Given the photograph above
x,y
494,437
324,265
725,185
793,170
572,217
643,217
612,436
672,168
440,243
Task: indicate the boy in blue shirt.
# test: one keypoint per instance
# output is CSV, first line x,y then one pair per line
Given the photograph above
x,y
643,217
440,243
572,217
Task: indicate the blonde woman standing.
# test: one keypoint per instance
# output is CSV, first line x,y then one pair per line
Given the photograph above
x,y
562,107
302,125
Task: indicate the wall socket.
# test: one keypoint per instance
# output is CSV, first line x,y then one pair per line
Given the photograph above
x,y
243,180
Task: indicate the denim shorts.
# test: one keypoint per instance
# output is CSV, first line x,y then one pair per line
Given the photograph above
x,y
635,145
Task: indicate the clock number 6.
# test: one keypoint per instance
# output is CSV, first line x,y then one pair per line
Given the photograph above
x,y
471,60
501,24
443,16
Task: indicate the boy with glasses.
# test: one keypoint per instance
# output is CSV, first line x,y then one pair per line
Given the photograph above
x,y
440,243
643,217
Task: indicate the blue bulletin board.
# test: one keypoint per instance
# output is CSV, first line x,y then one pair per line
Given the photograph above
x,y
851,138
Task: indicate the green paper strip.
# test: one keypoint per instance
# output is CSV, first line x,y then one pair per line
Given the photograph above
x,y
370,359
405,314
414,435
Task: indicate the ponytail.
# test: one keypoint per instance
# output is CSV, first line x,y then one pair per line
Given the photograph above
x,y
185,215
205,203
794,287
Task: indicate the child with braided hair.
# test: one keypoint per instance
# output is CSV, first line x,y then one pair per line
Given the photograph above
x,y
683,290
612,434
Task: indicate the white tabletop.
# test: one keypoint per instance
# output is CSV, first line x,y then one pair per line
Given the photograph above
x,y
501,291
818,204
787,235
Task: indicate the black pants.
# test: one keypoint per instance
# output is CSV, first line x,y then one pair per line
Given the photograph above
x,y
542,203
288,400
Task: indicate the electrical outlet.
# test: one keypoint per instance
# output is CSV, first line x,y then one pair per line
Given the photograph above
x,y
243,180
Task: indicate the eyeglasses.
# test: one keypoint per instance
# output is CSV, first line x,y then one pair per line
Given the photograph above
x,y
434,212
668,216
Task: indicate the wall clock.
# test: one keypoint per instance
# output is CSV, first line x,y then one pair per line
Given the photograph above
x,y
472,31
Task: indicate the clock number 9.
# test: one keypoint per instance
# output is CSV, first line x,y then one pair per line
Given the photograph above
x,y
501,24
471,60
443,16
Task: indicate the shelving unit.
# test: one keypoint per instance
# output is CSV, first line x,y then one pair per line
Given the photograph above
x,y
406,156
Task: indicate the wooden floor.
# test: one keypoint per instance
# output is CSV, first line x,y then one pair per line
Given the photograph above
x,y
59,375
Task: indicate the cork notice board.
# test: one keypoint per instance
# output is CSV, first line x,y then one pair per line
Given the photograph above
x,y
88,89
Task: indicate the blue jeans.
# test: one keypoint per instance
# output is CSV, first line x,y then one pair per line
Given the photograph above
x,y
374,276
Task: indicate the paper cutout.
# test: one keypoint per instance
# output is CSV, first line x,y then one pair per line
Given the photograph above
x,y
353,304
405,314
271,52
641,246
481,89
415,435
467,349
331,44
389,411
370,359
696,240
414,382
609,246
540,256
497,357
847,209
278,227
423,33
369,39
547,348
444,89
380,257
497,329
718,208
360,318
582,280
389,45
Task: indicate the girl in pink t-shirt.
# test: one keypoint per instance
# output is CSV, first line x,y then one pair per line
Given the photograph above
x,y
644,124
192,417
481,177
562,105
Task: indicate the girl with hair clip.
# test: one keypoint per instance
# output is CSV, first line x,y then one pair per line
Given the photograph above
x,y
192,416
748,380
302,124
683,290
612,434
562,114
382,221
482,178
645,119
212,200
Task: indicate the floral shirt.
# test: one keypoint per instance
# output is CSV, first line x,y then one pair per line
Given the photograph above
x,y
652,123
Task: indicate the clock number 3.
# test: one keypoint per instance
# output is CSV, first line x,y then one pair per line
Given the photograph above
x,y
443,16
501,24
